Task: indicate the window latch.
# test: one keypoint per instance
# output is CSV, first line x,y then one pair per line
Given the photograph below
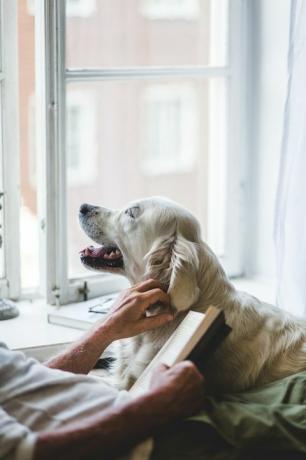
x,y
57,295
83,290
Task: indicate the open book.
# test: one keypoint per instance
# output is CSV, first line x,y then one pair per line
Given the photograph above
x,y
197,336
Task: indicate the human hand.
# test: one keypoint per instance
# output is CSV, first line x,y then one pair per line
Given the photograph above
x,y
127,316
180,388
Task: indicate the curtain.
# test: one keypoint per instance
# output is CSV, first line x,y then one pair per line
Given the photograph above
x,y
290,218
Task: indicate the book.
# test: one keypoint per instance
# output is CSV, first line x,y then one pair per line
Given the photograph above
x,y
82,315
197,336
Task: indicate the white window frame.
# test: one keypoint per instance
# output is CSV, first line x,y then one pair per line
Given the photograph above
x,y
9,155
52,77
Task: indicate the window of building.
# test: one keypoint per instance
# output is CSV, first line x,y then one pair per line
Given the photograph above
x,y
81,135
80,8
170,129
171,9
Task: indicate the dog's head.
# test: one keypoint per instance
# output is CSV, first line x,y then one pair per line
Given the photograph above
x,y
150,238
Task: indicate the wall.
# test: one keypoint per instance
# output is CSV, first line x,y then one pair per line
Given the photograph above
x,y
270,22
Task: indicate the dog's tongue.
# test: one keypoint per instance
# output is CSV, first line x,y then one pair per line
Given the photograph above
x,y
91,251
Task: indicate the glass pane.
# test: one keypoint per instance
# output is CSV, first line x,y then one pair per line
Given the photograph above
x,y
133,139
29,236
118,33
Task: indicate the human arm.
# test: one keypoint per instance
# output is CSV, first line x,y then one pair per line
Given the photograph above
x,y
126,319
175,393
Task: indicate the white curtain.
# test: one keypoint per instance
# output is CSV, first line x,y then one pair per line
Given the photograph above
x,y
290,219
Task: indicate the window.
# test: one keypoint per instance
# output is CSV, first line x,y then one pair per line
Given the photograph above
x,y
131,108
171,9
170,129
81,135
127,104
80,8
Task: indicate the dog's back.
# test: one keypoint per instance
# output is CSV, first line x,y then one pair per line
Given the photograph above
x,y
265,344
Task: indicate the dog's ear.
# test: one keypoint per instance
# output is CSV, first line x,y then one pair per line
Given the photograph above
x,y
175,263
183,287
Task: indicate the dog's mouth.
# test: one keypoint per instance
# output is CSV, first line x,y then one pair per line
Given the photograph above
x,y
103,257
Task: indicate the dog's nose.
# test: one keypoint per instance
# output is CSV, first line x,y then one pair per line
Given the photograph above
x,y
86,208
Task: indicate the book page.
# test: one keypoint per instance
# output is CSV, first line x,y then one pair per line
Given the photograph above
x,y
177,348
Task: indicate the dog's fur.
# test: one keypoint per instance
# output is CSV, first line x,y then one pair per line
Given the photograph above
x,y
159,239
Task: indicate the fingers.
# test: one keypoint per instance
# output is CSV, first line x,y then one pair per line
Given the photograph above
x,y
153,296
153,322
148,293
189,367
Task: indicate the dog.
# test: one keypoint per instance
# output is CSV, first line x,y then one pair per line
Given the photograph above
x,y
157,238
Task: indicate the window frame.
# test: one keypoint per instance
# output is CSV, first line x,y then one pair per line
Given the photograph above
x,y
9,155
52,78
239,134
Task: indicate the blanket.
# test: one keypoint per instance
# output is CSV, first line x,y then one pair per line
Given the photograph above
x,y
266,422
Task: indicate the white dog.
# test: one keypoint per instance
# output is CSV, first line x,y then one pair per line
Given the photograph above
x,y
157,238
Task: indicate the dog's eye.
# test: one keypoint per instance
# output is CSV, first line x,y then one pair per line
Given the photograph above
x,y
133,212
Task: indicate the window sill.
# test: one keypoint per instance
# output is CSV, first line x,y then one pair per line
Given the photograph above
x,y
31,332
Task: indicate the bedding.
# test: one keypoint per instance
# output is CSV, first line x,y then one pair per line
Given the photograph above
x,y
266,422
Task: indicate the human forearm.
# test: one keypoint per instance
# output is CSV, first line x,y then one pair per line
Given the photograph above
x,y
82,355
108,435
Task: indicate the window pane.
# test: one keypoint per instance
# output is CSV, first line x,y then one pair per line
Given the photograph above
x,y
115,33
29,237
133,139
